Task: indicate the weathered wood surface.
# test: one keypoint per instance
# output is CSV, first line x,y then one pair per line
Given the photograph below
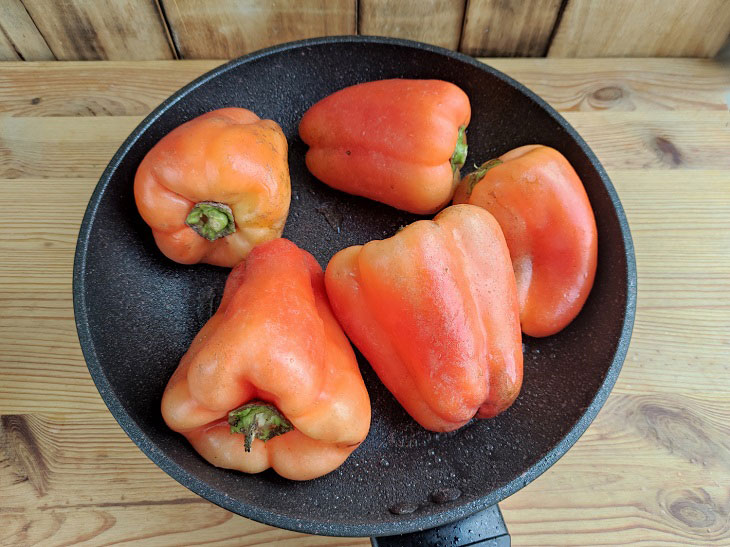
x,y
20,39
655,465
223,29
435,22
509,28
661,28
35,30
113,30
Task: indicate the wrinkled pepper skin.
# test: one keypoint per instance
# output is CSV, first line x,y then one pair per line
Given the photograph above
x,y
434,310
228,160
394,141
547,220
273,339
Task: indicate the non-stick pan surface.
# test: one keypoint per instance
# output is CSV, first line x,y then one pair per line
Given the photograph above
x,y
137,312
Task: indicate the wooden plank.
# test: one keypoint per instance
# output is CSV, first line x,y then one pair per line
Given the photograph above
x,y
679,229
109,88
651,468
41,456
682,304
119,496
120,88
650,28
8,52
173,525
50,147
511,28
102,29
19,37
435,22
659,140
44,146
223,29
662,140
40,356
623,84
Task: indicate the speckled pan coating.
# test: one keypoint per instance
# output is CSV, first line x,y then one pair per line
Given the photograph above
x,y
136,311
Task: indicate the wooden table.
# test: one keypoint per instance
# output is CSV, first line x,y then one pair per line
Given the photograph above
x,y
655,464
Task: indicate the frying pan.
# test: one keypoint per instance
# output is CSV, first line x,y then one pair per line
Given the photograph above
x,y
137,312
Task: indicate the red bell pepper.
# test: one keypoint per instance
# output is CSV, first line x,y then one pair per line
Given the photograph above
x,y
434,310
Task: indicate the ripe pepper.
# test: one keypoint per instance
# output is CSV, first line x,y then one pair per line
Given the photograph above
x,y
271,380
547,220
215,187
400,142
434,310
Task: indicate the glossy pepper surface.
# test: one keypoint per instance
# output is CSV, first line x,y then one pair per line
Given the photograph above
x,y
434,310
271,380
400,142
215,187
547,220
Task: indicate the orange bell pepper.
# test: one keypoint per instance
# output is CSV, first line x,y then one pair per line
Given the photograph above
x,y
215,187
400,142
434,310
547,220
271,380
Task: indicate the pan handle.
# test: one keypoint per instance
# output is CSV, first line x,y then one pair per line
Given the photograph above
x,y
485,528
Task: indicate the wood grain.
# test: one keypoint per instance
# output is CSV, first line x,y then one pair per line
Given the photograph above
x,y
680,228
45,147
40,358
509,28
19,37
48,148
435,22
623,84
102,29
119,489
41,455
223,29
653,468
635,140
146,29
115,88
124,88
626,28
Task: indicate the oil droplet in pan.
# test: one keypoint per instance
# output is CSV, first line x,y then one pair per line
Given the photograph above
x,y
445,495
403,508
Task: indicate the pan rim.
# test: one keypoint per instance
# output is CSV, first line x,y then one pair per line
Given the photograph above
x,y
410,523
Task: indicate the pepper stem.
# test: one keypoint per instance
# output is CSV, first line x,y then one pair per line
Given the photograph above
x,y
459,156
474,178
211,220
258,420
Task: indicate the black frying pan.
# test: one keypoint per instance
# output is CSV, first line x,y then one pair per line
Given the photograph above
x,y
137,312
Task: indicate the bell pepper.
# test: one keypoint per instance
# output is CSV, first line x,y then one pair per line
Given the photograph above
x,y
215,187
434,310
271,380
400,142
547,220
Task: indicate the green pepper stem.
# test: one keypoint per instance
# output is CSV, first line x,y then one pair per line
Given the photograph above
x,y
211,220
459,157
258,420
474,178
